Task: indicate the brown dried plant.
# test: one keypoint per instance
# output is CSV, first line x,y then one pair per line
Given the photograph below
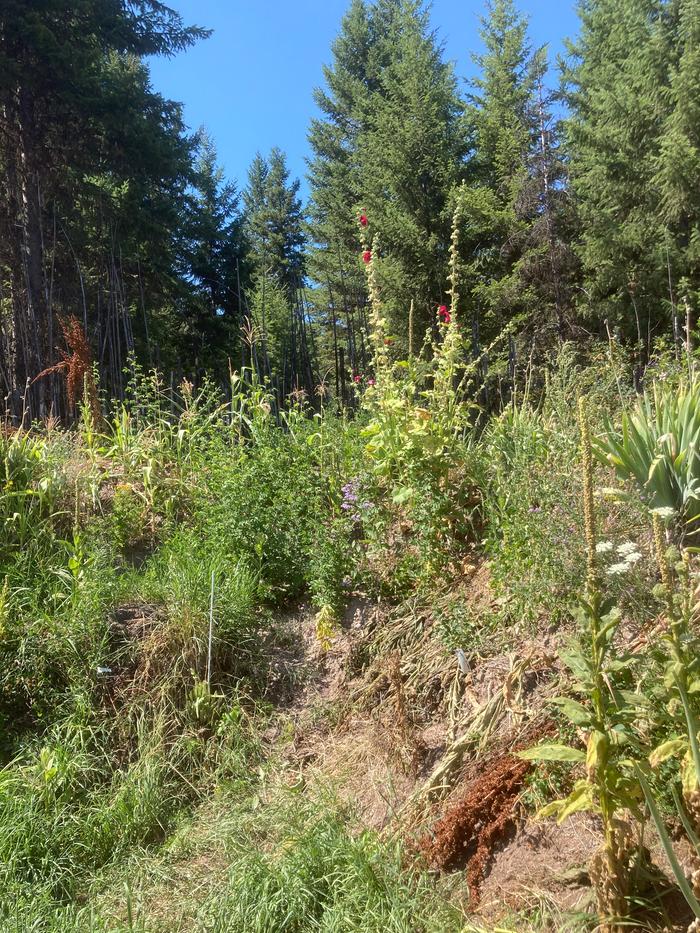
x,y
76,363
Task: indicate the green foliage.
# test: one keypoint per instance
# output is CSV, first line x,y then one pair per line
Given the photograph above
x,y
533,523
262,507
515,237
322,877
390,143
31,484
657,450
606,713
273,222
422,491
622,112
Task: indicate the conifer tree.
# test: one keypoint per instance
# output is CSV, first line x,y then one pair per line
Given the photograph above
x,y
411,152
615,85
334,173
93,170
273,221
389,144
214,262
679,162
273,227
515,252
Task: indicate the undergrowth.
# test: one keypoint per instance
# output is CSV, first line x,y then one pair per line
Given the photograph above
x,y
149,560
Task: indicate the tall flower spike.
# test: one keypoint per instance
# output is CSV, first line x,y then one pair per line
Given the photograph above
x,y
454,253
377,322
588,501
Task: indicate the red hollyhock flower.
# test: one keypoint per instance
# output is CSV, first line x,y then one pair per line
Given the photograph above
x,y
363,220
367,255
444,314
357,379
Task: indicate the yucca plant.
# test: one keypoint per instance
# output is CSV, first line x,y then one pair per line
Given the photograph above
x,y
657,449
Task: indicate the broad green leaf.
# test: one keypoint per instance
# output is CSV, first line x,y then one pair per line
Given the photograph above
x,y
575,712
403,495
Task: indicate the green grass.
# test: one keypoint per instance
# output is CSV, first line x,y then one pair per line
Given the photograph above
x,y
153,804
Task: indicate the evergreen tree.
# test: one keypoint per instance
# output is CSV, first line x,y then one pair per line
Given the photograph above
x,y
389,143
615,85
214,263
81,130
515,252
335,176
679,160
274,221
273,227
411,153
336,180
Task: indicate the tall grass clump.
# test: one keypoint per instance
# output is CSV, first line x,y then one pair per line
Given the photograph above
x,y
316,874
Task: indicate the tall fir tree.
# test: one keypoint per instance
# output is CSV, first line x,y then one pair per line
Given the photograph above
x,y
274,231
678,164
274,221
93,170
213,261
336,181
411,153
515,254
390,143
616,88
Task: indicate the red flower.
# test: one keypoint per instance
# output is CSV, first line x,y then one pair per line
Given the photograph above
x,y
444,314
367,255
363,220
357,379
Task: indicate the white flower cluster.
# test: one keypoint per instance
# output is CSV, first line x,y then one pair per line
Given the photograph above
x,y
626,552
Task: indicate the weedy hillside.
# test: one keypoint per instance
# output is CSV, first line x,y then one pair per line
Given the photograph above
x,y
349,576
413,666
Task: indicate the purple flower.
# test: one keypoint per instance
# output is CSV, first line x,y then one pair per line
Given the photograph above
x,y
350,499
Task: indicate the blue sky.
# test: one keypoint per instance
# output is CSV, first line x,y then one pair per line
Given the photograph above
x,y
251,83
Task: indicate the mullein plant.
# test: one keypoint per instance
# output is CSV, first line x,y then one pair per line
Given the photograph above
x,y
395,434
427,398
417,423
657,450
446,398
681,687
604,713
